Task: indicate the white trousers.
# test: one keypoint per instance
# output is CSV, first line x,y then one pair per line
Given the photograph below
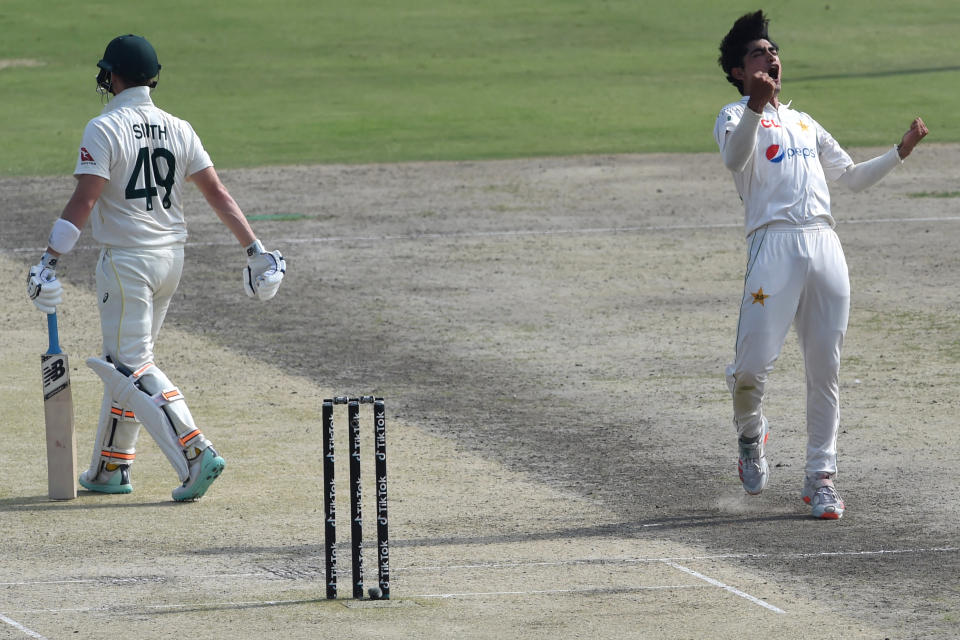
x,y
134,289
795,275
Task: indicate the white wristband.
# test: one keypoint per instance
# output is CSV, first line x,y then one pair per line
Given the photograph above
x,y
255,249
63,236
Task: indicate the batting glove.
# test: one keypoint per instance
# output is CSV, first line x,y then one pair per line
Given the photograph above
x,y
264,272
42,285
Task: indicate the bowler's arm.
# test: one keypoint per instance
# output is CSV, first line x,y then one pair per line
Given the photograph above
x,y
739,144
859,176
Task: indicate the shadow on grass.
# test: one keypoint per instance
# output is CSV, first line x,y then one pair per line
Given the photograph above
x,y
82,501
615,530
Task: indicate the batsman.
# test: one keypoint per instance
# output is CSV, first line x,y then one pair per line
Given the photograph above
x,y
781,160
132,165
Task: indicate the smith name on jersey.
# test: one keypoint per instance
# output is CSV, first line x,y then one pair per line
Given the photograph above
x,y
146,155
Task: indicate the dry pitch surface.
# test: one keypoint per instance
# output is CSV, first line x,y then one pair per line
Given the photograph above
x,y
550,336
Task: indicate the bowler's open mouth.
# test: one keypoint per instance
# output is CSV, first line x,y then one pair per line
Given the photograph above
x,y
774,72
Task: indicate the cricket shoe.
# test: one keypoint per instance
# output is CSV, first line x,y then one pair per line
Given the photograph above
x,y
819,493
752,464
112,478
204,469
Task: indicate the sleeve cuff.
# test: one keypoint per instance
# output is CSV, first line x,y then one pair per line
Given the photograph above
x,y
255,249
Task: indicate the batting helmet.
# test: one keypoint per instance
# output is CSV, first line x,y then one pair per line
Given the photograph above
x,y
130,57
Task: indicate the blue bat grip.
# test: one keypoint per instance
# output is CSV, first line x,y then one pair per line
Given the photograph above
x,y
54,335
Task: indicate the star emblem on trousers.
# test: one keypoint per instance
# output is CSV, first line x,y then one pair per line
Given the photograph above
x,y
759,296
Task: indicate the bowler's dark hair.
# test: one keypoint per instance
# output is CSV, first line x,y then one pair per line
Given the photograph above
x,y
733,49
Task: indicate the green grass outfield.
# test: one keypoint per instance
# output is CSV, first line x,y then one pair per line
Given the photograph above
x,y
324,81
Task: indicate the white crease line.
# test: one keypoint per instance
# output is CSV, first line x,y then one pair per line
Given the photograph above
x,y
926,219
725,587
598,590
19,627
453,235
669,561
722,556
187,605
488,565
265,603
515,233
824,554
137,579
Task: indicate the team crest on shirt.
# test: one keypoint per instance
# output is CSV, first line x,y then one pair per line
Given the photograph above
x,y
759,296
86,157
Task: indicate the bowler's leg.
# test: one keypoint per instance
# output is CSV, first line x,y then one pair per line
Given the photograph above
x,y
821,325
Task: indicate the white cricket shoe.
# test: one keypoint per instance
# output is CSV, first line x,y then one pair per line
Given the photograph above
x,y
752,464
820,493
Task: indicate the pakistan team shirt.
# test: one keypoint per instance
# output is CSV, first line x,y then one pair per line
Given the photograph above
x,y
785,179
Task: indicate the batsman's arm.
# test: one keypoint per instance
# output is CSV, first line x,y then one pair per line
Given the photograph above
x,y
265,269
43,288
66,229
224,205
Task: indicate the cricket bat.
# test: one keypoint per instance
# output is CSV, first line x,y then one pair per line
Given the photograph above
x,y
58,414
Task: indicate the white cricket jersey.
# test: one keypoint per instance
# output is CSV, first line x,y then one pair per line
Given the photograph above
x,y
146,155
785,179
